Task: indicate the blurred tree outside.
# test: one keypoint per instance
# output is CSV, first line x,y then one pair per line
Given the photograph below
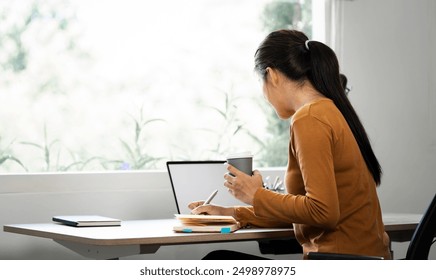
x,y
37,38
282,14
70,78
288,14
69,81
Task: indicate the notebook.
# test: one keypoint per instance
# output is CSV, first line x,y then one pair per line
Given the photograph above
x,y
196,180
86,221
205,223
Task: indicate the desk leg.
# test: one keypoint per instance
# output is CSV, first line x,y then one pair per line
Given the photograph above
x,y
101,252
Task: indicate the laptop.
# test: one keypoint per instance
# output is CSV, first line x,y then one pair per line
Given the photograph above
x,y
197,180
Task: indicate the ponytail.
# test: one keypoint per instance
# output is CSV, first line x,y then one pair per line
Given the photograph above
x,y
325,77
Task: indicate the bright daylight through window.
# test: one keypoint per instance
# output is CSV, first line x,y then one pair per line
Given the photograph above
x,y
125,84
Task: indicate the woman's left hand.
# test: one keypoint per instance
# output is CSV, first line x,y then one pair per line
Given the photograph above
x,y
242,186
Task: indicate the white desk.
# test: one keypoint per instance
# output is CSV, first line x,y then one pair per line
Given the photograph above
x,y
146,236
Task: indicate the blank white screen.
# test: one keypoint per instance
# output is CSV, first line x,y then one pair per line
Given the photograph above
x,y
192,181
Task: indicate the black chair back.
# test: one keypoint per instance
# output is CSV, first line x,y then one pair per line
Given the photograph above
x,y
424,234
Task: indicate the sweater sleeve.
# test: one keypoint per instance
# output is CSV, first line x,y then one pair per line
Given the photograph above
x,y
246,217
312,143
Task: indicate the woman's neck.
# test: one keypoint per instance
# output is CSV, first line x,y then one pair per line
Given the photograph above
x,y
304,94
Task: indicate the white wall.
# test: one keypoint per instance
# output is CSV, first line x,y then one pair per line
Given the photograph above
x,y
389,56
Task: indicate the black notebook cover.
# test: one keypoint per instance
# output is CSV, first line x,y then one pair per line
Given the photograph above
x,y
87,221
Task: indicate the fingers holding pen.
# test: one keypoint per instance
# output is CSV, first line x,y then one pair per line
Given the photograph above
x,y
195,204
210,209
201,207
204,209
198,207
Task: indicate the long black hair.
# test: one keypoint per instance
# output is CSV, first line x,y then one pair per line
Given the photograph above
x,y
290,52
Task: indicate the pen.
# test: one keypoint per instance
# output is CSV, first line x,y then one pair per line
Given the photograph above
x,y
209,199
276,181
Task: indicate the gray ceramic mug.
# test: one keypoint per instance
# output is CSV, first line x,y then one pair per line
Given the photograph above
x,y
241,161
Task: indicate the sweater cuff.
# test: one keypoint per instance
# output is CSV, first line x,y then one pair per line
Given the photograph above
x,y
243,214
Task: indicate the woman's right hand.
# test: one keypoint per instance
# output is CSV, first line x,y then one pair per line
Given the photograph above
x,y
198,208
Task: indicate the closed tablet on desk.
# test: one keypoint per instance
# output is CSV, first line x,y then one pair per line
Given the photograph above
x,y
86,221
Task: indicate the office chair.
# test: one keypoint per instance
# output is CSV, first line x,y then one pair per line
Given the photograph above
x,y
419,246
280,246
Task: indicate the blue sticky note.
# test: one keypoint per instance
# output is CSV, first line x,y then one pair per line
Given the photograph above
x,y
187,230
225,230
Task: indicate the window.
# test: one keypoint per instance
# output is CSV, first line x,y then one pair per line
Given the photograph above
x,y
126,84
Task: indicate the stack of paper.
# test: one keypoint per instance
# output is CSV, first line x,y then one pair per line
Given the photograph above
x,y
206,223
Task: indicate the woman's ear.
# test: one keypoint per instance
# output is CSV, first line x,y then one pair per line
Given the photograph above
x,y
273,76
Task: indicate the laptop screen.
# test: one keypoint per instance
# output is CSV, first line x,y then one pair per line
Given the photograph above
x,y
196,180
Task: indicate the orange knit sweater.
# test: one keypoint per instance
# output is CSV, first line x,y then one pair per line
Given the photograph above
x,y
332,199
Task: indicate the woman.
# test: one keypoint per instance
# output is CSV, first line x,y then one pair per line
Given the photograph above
x,y
332,171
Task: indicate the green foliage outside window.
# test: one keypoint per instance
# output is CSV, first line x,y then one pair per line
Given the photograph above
x,y
44,58
282,15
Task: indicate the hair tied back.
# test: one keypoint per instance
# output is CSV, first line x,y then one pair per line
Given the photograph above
x,y
306,44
